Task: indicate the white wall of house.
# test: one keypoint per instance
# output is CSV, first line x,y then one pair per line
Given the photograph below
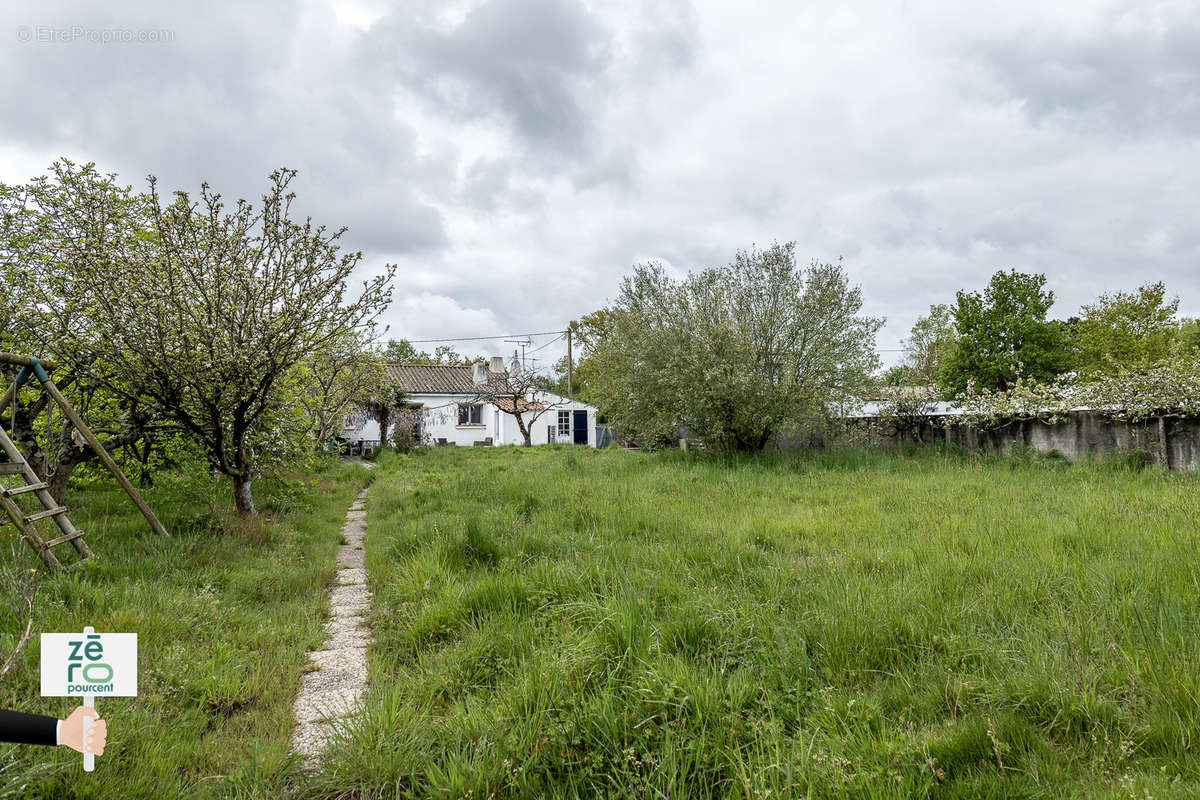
x,y
544,427
441,422
441,419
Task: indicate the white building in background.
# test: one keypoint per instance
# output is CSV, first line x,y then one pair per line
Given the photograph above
x,y
453,412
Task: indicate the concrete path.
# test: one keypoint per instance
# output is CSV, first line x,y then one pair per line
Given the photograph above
x,y
335,687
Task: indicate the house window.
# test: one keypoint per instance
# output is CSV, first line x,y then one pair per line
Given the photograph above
x,y
470,415
564,423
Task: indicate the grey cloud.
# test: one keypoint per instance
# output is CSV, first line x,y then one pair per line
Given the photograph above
x,y
522,60
234,93
490,185
1111,80
618,168
548,72
519,159
1015,230
663,37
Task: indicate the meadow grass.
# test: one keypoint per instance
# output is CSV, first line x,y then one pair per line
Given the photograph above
x,y
225,611
561,622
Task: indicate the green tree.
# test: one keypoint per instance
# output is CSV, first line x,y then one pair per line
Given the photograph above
x,y
899,375
587,332
52,229
1188,336
732,352
210,312
1003,334
383,405
1125,329
930,344
343,374
401,351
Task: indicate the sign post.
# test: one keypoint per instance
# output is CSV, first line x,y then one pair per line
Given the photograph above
x,y
89,759
86,665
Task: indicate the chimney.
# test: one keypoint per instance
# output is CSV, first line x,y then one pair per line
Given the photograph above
x,y
479,374
497,364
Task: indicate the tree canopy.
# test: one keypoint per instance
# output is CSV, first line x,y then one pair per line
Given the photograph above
x,y
587,332
1003,334
1125,329
53,229
926,350
930,344
401,351
206,314
732,352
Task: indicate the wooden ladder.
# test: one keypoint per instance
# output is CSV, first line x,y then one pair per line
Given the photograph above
x,y
18,480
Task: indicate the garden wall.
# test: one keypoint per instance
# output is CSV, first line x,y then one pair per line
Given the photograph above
x,y
1081,435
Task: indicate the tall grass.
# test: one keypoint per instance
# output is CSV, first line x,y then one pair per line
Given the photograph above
x,y
224,611
564,622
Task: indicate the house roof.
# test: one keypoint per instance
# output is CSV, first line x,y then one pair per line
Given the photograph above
x,y
437,379
506,404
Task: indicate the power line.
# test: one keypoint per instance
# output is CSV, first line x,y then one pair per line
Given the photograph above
x,y
482,338
547,344
539,333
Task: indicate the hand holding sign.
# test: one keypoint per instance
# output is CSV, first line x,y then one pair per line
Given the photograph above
x,y
87,665
74,736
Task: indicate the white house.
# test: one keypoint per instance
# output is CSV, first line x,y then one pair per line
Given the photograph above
x,y
454,413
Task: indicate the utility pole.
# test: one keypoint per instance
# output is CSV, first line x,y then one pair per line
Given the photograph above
x,y
570,364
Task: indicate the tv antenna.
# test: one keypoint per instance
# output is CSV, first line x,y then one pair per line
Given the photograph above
x,y
523,343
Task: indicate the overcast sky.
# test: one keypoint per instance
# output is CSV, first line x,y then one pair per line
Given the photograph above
x,y
516,157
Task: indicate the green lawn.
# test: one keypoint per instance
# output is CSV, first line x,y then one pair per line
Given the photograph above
x,y
224,612
563,622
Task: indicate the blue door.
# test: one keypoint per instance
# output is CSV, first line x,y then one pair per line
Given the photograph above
x,y
579,426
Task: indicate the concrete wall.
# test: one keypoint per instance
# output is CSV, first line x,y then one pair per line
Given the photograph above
x,y
1081,435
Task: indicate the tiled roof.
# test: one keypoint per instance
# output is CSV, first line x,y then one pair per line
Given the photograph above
x,y
431,379
506,404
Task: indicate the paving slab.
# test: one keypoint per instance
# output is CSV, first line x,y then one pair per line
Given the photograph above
x,y
310,739
333,689
324,697
349,599
350,575
350,660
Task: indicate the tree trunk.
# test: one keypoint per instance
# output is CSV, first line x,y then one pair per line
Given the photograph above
x,y
383,416
58,482
145,480
525,429
68,459
71,457
242,497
